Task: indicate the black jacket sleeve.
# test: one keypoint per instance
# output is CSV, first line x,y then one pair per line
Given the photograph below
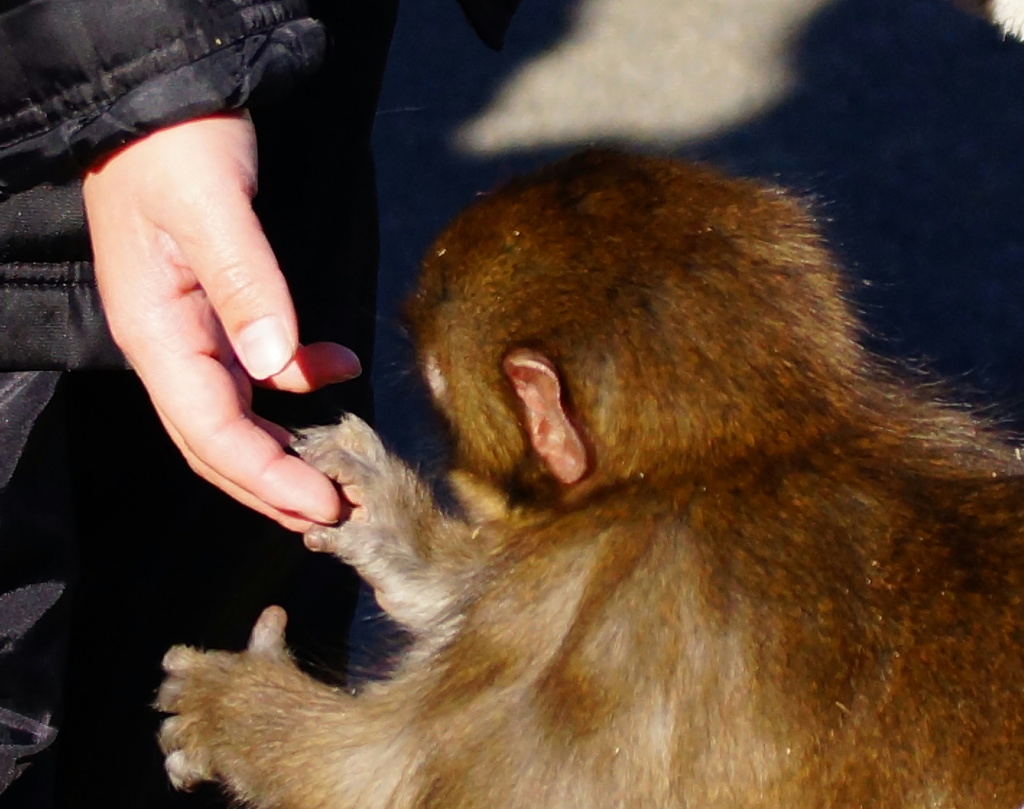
x,y
78,78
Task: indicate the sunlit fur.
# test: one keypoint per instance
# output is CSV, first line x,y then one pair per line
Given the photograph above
x,y
789,579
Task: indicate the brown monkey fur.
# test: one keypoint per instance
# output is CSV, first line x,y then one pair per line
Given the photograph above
x,y
713,555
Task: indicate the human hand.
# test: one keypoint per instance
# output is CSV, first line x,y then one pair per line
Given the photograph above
x,y
196,301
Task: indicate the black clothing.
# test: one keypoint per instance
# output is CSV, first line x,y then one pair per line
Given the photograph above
x,y
50,315
94,485
80,78
34,505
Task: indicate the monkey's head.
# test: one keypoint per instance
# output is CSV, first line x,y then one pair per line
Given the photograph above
x,y
614,316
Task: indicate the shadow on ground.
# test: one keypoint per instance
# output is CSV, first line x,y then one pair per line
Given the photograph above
x,y
905,126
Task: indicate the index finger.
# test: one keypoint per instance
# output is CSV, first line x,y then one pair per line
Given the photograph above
x,y
222,434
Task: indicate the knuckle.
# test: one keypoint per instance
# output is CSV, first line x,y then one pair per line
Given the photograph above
x,y
232,288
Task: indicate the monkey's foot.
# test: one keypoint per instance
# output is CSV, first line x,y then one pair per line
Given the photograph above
x,y
212,695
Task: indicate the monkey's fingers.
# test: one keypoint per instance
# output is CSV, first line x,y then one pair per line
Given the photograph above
x,y
351,473
352,540
185,771
311,441
176,663
355,435
352,436
356,496
267,636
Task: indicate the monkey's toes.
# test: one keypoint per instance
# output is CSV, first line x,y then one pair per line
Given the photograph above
x,y
267,635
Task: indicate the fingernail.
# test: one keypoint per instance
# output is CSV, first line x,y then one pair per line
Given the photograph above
x,y
264,347
347,356
322,517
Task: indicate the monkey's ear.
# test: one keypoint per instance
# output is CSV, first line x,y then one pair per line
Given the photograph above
x,y
553,435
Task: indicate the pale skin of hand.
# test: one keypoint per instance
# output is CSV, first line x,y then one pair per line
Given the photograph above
x,y
195,299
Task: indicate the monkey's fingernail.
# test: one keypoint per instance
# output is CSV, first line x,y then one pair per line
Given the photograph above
x,y
314,541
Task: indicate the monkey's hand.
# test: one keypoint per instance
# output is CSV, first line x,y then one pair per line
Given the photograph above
x,y
270,734
216,697
393,526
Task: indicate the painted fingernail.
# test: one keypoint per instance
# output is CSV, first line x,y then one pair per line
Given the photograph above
x,y
264,347
348,357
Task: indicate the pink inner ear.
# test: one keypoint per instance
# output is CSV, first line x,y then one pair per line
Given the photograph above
x,y
552,434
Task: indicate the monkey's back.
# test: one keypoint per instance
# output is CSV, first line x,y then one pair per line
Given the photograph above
x,y
691,653
885,616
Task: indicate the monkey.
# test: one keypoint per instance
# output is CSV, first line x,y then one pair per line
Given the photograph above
x,y
710,551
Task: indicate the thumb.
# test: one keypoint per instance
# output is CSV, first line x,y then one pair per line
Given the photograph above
x,y
216,239
236,268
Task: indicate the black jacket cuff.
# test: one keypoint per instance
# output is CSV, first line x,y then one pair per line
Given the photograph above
x,y
47,142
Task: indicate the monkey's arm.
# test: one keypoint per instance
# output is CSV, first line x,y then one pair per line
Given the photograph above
x,y
272,735
418,559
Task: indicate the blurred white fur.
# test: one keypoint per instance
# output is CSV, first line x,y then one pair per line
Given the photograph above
x,y
1010,14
